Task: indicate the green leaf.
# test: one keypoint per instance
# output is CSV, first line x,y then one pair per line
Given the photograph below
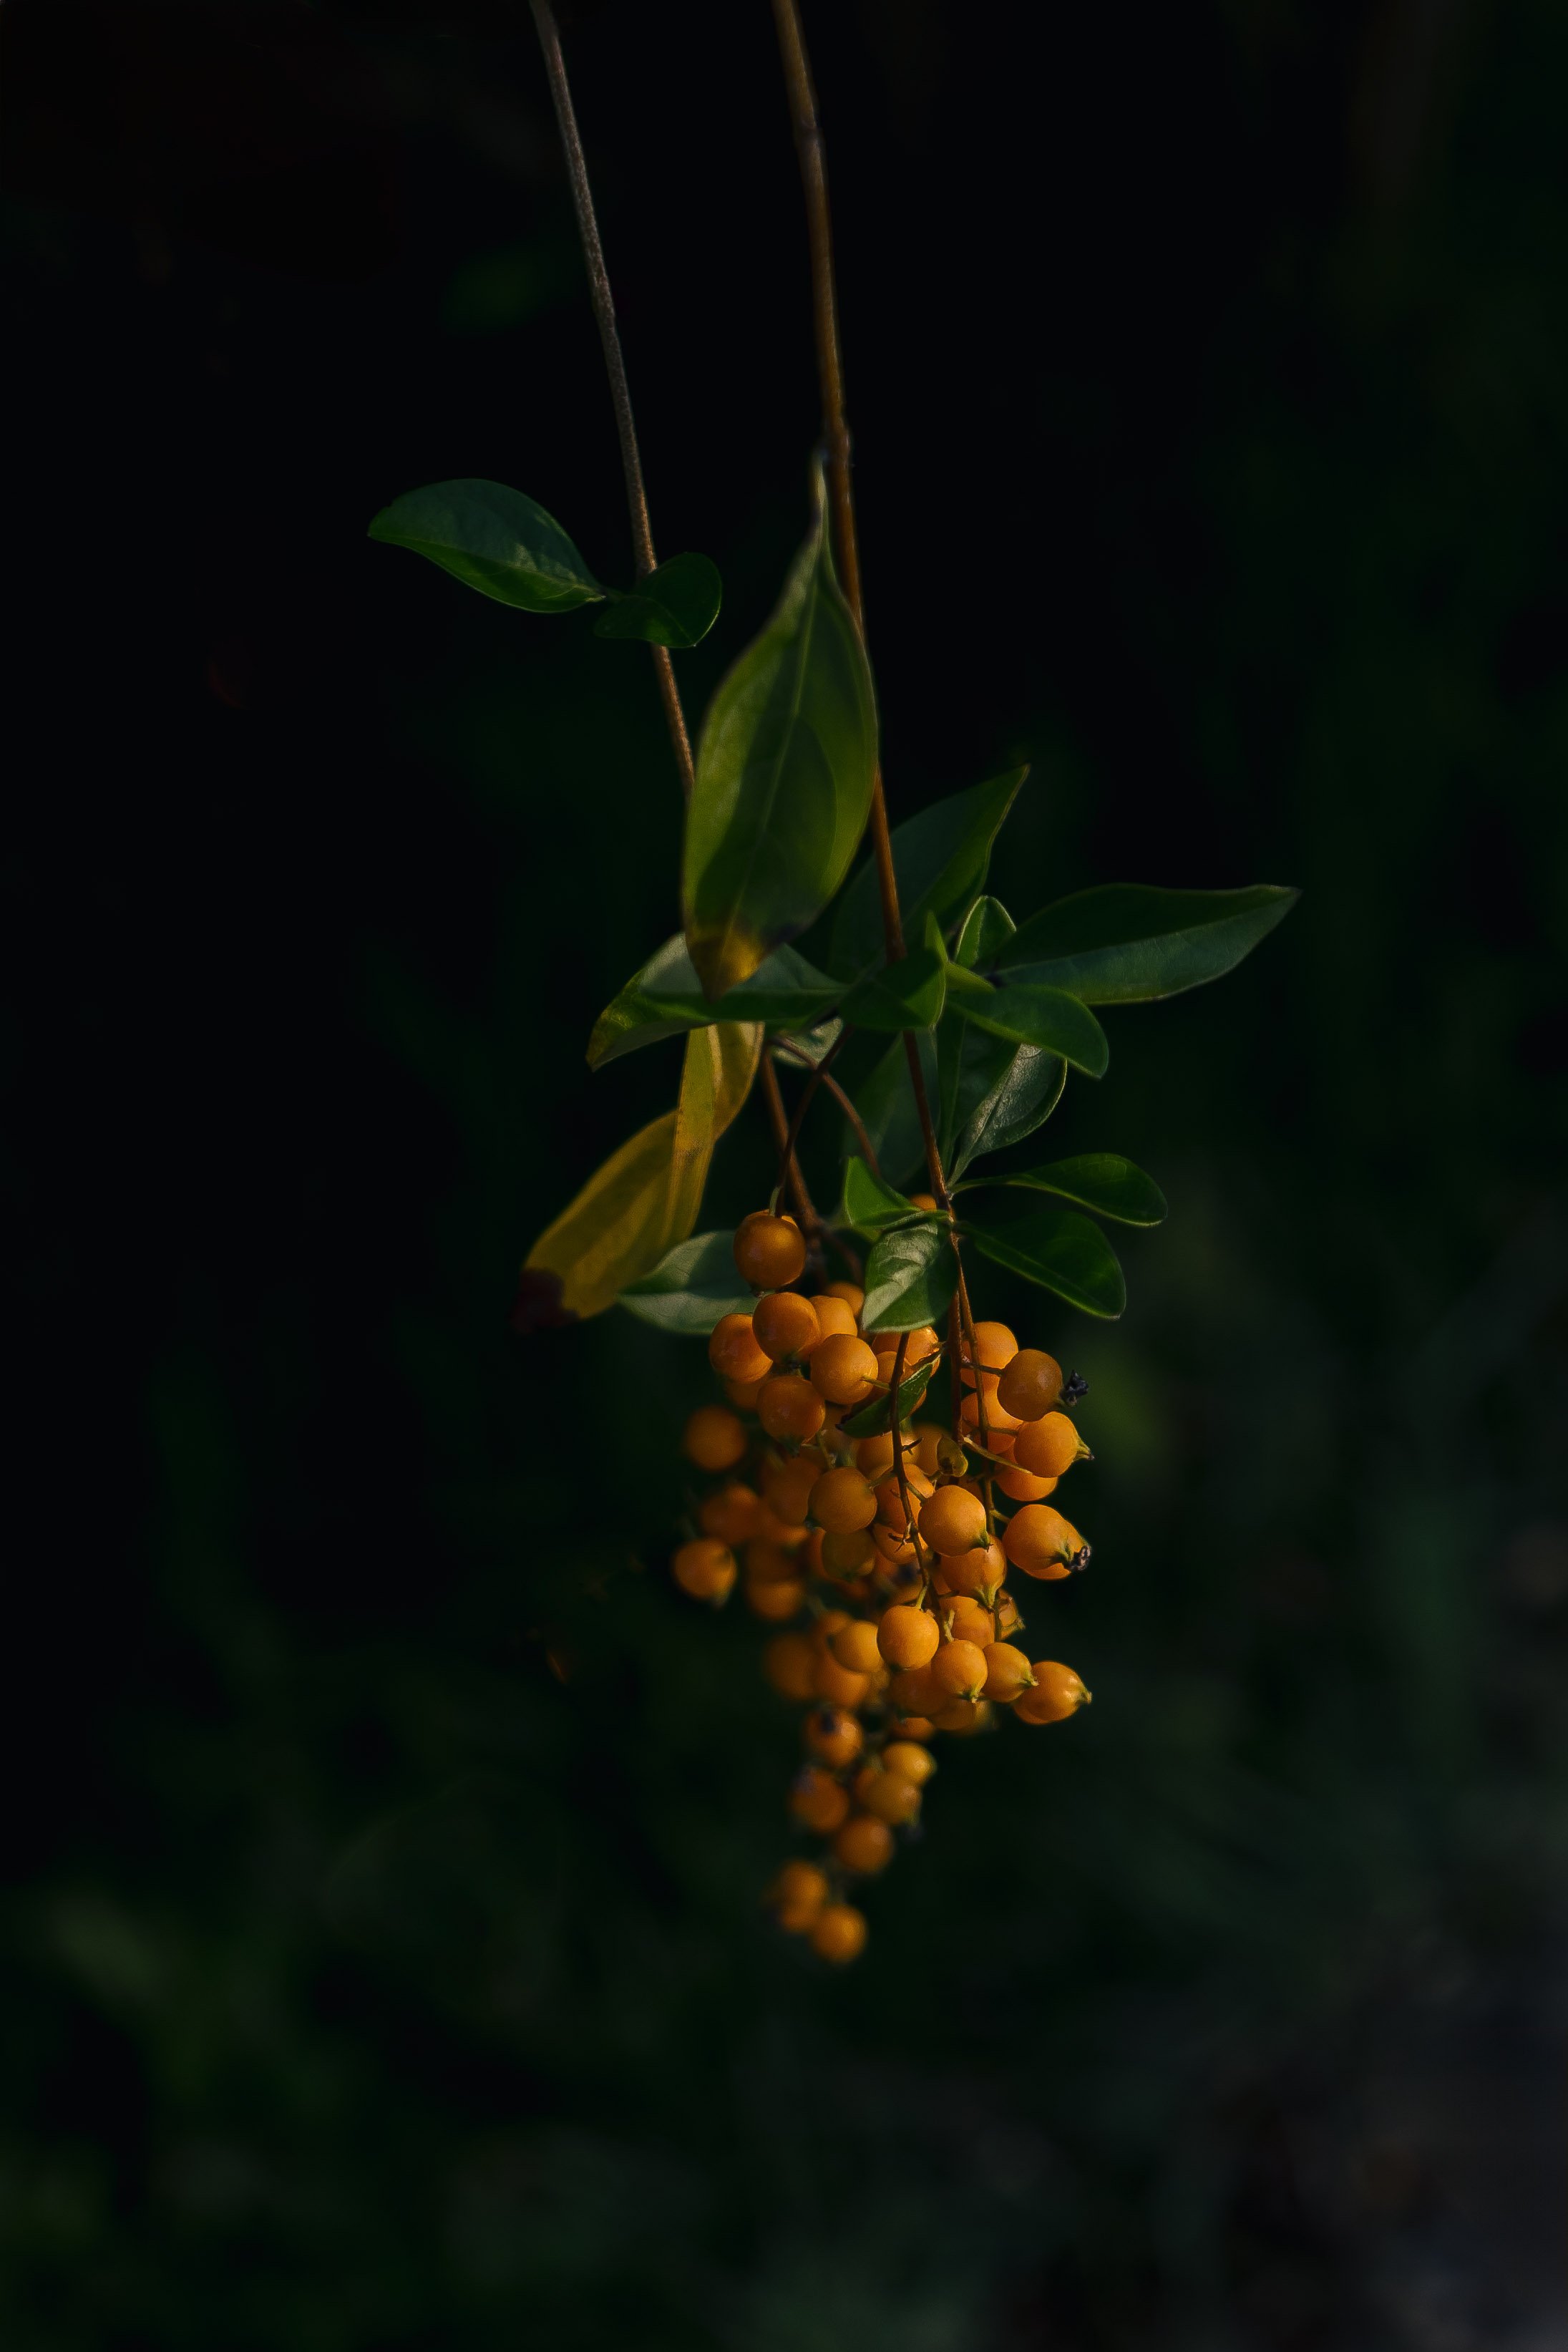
x,y
905,996
692,1286
816,1044
1025,1093
987,928
870,1205
969,1061
1062,1252
494,539
784,774
676,605
874,1418
940,858
1101,1181
665,997
885,1101
910,1278
1032,1014
1127,944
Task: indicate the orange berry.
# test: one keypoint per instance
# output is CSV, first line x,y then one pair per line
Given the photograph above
x,y
770,1563
959,1669
818,1800
713,1439
789,1663
1047,1447
742,1394
786,1486
843,1501
968,1621
979,1572
892,1797
835,1316
785,1324
893,1550
994,1345
1008,1672
997,1423
929,1436
912,1692
840,1934
890,1502
864,1845
850,1293
835,1736
730,1513
922,1343
1042,1543
844,1553
1008,1620
855,1645
705,1568
837,1685
873,1457
788,1534
912,1727
1058,1692
788,1407
1030,1383
776,1603
1019,1486
830,1621
953,1520
844,1369
733,1351
925,1201
906,1757
769,1251
907,1636
963,1719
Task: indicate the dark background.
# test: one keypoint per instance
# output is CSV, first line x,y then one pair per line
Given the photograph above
x,y
368,1987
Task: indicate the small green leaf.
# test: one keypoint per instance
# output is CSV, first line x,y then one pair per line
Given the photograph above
x,y
1032,1014
905,996
1127,943
1101,1181
1022,1098
885,1101
987,928
665,997
969,1061
784,774
1062,1252
815,1044
495,540
676,605
940,858
870,1205
910,1278
874,1418
692,1286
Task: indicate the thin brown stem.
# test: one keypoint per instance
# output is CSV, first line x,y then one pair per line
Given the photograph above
x,y
818,1072
790,1167
615,366
868,1149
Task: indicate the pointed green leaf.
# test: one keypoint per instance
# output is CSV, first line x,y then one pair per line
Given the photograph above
x,y
969,1061
692,1286
494,539
1060,1250
1101,1181
910,1278
1125,943
905,996
987,928
784,774
874,1418
885,1101
870,1205
1035,1015
667,997
1025,1093
676,605
940,858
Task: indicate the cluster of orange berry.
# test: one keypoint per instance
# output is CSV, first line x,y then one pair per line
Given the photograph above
x,y
891,1550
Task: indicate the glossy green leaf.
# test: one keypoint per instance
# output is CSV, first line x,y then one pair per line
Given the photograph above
x,y
692,1286
1127,944
665,997
987,928
495,540
784,774
908,994
1022,1098
1060,1250
910,1278
1032,1014
1101,1181
874,1418
870,1205
676,605
969,1061
940,858
815,1044
885,1101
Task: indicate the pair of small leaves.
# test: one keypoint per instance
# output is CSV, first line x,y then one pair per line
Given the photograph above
x,y
505,544
1060,1249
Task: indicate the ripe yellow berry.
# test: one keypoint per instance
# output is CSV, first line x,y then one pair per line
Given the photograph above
x,y
907,1636
922,1343
1058,1692
770,1563
997,1423
838,1686
892,1797
980,1572
906,1757
1008,1620
1049,1447
845,1553
994,1345
730,1513
798,1895
925,1201
713,1439
776,1603
830,1621
1042,1543
873,1457
789,1663
864,1845
895,1552
953,1520
843,1501
890,1508
840,1934
844,1369
958,1669
1008,1673
742,1394
963,1719
913,1693
850,1293
855,1645
769,1251
968,1621
705,1568
818,1800
786,1486
929,1436
835,1737
1020,1487
733,1351
788,1407
835,1316
1030,1385
785,1324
